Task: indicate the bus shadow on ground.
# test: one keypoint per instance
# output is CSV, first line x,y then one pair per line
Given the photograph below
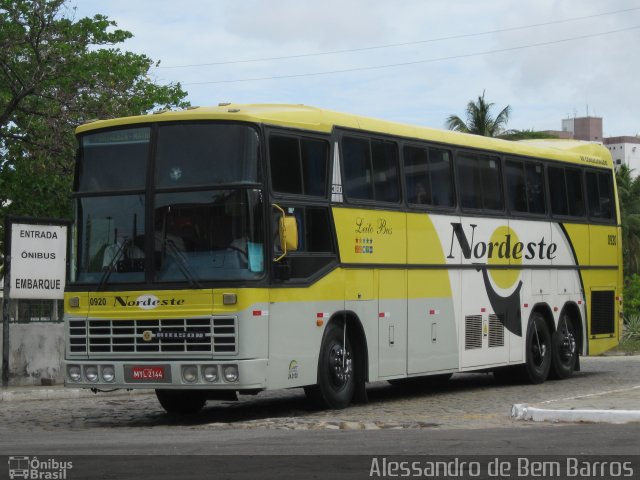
x,y
294,404
282,404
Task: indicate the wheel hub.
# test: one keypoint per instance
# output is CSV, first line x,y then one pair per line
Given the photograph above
x,y
568,347
539,351
341,365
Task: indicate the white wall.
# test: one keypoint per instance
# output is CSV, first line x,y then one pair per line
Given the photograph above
x,y
628,153
36,352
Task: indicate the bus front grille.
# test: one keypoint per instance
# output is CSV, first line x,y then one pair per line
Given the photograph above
x,y
209,335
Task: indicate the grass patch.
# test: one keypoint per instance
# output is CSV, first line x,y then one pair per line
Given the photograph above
x,y
630,343
628,346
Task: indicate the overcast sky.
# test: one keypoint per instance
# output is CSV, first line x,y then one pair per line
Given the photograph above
x,y
548,59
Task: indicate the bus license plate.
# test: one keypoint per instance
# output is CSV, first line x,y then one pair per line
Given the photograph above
x,y
148,373
159,373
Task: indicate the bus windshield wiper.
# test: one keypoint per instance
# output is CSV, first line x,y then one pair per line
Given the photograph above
x,y
111,267
182,264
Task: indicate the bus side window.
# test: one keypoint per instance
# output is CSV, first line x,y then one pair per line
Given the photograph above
x,y
605,184
384,157
469,182
575,192
286,171
298,165
357,168
441,178
516,187
599,195
371,169
428,176
315,165
315,242
479,181
534,174
525,187
416,170
558,191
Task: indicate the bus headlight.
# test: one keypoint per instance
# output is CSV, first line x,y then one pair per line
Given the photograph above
x,y
210,373
189,373
75,375
91,373
108,373
230,373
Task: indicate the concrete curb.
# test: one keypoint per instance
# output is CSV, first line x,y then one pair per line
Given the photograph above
x,y
521,411
27,395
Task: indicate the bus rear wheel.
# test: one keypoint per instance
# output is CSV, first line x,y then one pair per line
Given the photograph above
x,y
336,381
538,350
564,349
187,402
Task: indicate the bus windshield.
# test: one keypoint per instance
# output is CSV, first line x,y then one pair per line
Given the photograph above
x,y
208,235
202,222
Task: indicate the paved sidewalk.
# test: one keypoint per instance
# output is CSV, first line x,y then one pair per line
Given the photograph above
x,y
57,392
613,406
616,401
620,405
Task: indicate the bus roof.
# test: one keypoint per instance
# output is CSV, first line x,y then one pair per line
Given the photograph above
x,y
320,120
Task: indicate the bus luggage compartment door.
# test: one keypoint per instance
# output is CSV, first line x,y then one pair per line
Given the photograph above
x,y
392,322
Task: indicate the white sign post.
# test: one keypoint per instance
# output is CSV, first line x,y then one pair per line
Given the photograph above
x,y
38,261
35,261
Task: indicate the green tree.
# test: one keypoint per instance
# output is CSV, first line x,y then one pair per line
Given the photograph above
x,y
479,120
514,135
629,200
57,72
632,295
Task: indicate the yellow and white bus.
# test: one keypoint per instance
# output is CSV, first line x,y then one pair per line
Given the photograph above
x,y
241,248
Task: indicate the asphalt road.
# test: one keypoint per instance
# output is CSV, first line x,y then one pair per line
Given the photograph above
x,y
470,415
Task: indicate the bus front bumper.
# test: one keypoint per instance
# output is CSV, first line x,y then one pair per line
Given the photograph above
x,y
210,375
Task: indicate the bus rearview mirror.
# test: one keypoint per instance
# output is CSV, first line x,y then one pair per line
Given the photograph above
x,y
288,230
288,234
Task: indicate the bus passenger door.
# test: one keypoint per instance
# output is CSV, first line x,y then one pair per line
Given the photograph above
x,y
392,322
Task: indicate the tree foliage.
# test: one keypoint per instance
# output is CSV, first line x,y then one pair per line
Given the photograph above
x,y
479,119
629,200
57,72
632,295
515,135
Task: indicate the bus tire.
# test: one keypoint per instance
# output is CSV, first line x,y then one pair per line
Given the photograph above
x,y
186,402
564,351
538,350
336,381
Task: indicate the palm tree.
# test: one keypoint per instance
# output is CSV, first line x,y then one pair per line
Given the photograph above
x,y
479,119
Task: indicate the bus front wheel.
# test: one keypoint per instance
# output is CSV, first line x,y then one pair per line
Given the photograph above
x,y
181,401
538,354
336,381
